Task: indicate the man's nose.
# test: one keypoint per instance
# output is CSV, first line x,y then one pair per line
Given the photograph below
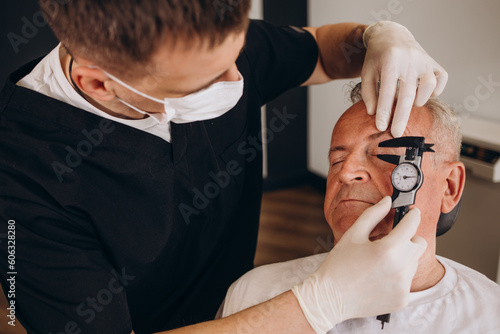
x,y
353,170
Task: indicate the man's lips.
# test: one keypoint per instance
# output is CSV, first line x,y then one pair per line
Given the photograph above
x,y
356,200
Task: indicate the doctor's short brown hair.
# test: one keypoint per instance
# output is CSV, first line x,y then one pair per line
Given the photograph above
x,y
119,35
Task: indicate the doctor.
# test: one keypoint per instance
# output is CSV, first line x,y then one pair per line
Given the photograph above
x,y
127,174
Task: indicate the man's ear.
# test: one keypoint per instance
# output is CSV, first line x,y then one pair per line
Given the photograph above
x,y
455,183
94,83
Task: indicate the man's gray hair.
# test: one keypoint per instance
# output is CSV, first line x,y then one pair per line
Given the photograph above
x,y
445,129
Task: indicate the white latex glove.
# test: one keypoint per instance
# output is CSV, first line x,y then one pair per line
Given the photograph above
x,y
363,278
394,55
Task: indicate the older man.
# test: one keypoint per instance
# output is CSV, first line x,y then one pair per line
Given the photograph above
x,y
446,297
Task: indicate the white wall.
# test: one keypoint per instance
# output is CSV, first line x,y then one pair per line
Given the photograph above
x,y
256,12
462,35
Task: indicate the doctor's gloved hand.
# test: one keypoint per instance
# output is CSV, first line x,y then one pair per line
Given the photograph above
x,y
362,278
394,57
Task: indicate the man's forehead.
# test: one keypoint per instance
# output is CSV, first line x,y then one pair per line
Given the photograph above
x,y
357,125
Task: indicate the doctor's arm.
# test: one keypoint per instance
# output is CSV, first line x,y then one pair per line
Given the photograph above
x,y
359,278
393,60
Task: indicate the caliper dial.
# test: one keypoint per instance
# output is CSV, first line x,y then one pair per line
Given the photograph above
x,y
405,177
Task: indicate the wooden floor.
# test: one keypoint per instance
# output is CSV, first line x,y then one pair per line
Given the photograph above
x,y
292,225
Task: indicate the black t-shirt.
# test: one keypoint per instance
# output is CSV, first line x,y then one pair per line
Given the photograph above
x,y
117,229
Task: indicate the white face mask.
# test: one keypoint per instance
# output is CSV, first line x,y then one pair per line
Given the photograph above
x,y
207,103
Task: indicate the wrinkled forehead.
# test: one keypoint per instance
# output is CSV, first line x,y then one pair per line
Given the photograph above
x,y
355,125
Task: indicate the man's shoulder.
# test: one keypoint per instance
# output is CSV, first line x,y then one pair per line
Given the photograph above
x,y
268,281
288,273
467,275
473,302
472,279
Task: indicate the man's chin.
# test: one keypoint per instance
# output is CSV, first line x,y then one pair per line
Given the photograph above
x,y
344,216
349,211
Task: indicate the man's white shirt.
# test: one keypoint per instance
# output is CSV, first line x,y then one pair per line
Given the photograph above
x,y
463,301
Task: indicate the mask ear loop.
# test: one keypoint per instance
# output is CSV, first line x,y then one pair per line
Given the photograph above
x,y
157,116
128,86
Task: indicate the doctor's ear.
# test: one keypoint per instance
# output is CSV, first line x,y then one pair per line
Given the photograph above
x,y
93,82
455,183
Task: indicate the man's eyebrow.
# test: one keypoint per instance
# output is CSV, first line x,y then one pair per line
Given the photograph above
x,y
334,149
378,135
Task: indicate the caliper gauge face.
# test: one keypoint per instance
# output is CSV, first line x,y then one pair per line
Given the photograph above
x,y
405,177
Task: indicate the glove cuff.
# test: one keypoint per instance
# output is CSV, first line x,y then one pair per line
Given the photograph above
x,y
314,301
366,35
307,313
